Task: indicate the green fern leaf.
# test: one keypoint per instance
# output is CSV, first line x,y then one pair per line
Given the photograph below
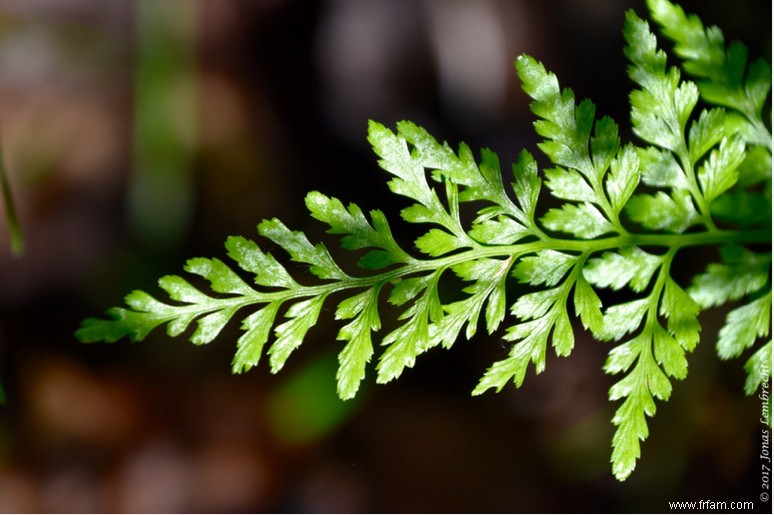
x,y
359,233
743,326
741,273
630,266
363,310
725,78
698,176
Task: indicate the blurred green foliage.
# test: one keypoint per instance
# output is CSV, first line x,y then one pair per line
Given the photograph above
x,y
161,192
305,408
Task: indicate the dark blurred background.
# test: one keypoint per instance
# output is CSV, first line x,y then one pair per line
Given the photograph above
x,y
137,134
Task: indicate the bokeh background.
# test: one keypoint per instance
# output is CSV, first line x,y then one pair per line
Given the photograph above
x,y
137,134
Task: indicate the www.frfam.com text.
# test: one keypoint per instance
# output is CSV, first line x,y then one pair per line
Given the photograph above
x,y
711,505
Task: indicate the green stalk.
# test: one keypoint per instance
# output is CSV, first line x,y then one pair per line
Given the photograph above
x,y
14,227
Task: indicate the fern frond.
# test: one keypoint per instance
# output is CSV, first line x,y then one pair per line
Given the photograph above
x,y
621,215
